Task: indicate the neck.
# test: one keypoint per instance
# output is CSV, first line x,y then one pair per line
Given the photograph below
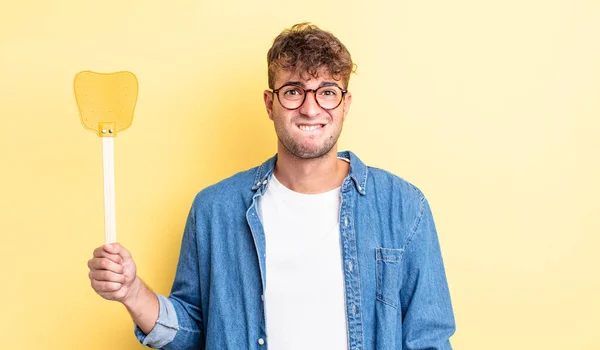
x,y
310,176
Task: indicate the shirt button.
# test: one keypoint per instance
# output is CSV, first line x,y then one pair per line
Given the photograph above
x,y
346,221
258,184
261,341
265,182
350,266
262,297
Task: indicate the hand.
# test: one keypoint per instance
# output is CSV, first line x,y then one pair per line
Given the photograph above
x,y
113,273
113,276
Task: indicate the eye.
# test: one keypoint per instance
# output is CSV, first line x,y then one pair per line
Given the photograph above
x,y
328,92
292,92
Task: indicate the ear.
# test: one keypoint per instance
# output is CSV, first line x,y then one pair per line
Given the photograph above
x,y
347,103
268,97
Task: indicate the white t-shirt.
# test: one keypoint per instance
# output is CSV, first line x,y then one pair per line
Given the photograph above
x,y
304,297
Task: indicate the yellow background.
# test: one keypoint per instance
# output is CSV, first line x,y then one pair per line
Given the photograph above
x,y
492,108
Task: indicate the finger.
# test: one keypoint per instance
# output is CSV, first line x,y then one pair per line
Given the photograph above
x,y
103,286
105,264
117,248
106,276
112,248
100,252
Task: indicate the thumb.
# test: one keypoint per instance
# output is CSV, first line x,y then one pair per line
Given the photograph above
x,y
124,253
117,248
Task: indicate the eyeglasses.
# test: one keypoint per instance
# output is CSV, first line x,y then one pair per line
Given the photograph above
x,y
293,96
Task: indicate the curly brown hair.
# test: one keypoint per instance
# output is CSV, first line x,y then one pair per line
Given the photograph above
x,y
306,48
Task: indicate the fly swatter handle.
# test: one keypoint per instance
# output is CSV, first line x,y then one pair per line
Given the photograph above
x,y
108,160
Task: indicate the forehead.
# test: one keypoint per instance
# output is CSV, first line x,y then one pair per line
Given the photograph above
x,y
284,76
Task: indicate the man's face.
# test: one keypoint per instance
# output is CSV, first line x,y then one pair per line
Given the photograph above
x,y
310,131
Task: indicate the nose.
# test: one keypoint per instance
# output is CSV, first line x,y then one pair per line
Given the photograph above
x,y
310,107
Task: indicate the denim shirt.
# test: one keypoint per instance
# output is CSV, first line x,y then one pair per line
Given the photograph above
x,y
395,285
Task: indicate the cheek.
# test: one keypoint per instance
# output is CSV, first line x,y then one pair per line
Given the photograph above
x,y
282,115
337,118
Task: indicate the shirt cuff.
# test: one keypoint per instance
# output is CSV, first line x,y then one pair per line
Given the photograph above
x,y
165,328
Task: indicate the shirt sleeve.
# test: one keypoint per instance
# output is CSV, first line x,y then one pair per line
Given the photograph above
x,y
165,328
428,319
179,325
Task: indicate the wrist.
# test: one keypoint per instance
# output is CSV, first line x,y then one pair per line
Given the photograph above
x,y
142,304
134,294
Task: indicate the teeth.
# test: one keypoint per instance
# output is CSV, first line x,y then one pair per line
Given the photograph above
x,y
308,127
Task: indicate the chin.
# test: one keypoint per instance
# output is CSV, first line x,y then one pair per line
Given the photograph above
x,y
311,153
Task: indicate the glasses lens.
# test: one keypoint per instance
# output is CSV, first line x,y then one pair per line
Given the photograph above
x,y
291,96
329,97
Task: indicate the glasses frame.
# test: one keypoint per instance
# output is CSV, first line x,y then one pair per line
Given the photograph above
x,y
306,91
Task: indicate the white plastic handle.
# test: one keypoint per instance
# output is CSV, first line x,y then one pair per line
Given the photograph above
x,y
108,160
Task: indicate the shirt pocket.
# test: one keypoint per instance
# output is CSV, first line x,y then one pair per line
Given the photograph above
x,y
388,271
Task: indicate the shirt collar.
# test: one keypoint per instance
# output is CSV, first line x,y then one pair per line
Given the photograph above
x,y
358,172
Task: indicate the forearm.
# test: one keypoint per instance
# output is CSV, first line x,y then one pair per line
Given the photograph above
x,y
142,305
428,318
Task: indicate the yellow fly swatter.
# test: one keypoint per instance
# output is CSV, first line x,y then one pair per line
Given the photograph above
x,y
106,104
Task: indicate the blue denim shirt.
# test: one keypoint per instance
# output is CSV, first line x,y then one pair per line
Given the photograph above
x,y
396,291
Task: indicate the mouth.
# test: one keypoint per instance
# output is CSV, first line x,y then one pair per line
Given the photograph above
x,y
310,127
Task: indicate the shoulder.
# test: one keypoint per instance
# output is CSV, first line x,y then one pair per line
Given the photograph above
x,y
403,198
382,185
383,180
236,187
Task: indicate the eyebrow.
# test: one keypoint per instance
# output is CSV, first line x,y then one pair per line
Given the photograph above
x,y
300,84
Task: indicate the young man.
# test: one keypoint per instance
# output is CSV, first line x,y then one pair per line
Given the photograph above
x,y
310,250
